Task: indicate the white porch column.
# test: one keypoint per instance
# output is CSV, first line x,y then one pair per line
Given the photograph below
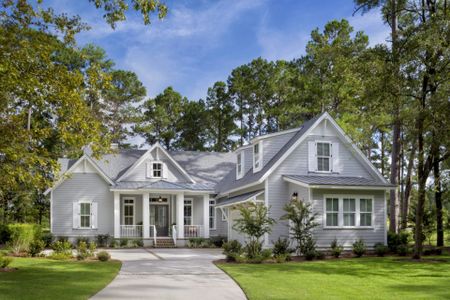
x,y
206,216
145,215
116,215
180,215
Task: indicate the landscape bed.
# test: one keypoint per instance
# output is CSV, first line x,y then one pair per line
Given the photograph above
x,y
353,278
40,278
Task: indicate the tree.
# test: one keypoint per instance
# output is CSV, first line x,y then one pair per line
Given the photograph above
x,y
301,222
193,126
160,118
220,116
125,90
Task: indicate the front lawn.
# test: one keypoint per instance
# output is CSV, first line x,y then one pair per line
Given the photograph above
x,y
355,278
40,278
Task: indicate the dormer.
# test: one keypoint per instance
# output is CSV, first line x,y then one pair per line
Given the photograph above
x,y
156,169
257,156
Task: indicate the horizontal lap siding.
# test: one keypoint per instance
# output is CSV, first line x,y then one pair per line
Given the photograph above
x,y
347,237
221,226
88,187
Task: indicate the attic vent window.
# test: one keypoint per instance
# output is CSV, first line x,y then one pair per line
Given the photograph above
x,y
157,170
257,157
239,166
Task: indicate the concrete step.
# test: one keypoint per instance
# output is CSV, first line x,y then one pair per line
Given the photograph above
x,y
164,243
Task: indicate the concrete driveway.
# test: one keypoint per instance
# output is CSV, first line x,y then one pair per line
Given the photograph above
x,y
170,274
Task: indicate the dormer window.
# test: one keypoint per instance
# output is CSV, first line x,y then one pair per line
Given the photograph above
x,y
323,157
240,165
257,157
155,169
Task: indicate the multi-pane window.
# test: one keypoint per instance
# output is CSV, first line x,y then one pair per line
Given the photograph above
x,y
323,156
212,214
349,211
365,209
239,165
85,215
157,170
257,164
332,211
187,212
128,211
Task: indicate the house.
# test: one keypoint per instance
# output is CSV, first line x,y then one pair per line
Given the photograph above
x,y
158,194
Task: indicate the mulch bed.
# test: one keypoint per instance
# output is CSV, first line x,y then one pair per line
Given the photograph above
x,y
6,270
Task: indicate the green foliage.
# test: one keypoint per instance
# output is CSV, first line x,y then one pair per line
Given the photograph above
x,y
199,243
4,234
137,243
281,250
80,239
82,250
308,248
123,242
359,248
48,238
36,247
253,249
336,249
62,250
103,240
103,256
254,220
301,222
218,241
381,249
397,239
232,249
21,236
5,261
402,250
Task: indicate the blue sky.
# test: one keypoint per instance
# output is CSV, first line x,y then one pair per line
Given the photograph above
x,y
201,41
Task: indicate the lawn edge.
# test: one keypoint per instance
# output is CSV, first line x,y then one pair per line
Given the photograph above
x,y
232,278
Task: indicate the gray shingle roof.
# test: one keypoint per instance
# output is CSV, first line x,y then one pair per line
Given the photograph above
x,y
229,182
236,199
333,180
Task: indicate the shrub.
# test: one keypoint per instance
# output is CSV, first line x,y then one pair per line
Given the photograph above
x,y
80,239
5,234
114,244
123,242
281,258
62,238
5,261
432,251
282,247
196,242
138,243
336,249
61,250
36,247
402,250
397,239
320,255
359,248
253,249
218,241
48,238
309,248
103,240
21,235
260,257
380,249
103,256
82,251
232,250
92,248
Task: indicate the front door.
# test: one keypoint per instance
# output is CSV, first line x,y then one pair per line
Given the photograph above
x,y
159,216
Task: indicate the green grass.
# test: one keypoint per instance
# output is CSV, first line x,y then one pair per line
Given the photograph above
x,y
39,278
355,278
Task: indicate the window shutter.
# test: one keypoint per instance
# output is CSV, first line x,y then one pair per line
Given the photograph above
x,y
94,214
312,160
164,170
336,159
149,170
76,214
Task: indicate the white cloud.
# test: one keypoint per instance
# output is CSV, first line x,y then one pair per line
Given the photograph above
x,y
372,25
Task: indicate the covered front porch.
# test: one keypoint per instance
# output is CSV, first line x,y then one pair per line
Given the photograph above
x,y
151,215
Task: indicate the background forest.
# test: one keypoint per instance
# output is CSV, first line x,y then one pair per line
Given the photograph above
x,y
392,100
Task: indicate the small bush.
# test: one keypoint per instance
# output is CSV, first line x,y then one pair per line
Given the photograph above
x,y
138,243
308,248
282,248
397,239
48,239
92,248
5,261
62,238
21,236
432,251
359,248
60,256
82,250
36,247
103,256
103,240
320,255
196,242
336,249
380,249
232,250
80,239
61,250
402,250
114,244
218,241
281,258
123,242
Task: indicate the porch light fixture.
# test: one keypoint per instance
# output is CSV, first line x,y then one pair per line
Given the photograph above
x,y
294,196
159,199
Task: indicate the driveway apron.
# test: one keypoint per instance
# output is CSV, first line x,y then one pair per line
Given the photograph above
x,y
170,274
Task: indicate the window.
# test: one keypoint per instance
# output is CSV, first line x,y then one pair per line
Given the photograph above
x,y
212,214
85,215
323,157
239,166
365,208
188,212
128,211
332,211
157,170
257,157
349,211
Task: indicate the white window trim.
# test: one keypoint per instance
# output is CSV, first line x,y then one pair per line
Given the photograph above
x,y
330,164
260,156
150,170
90,217
191,204
123,210
213,203
239,175
341,211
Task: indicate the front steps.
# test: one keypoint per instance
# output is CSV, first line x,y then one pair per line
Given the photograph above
x,y
165,243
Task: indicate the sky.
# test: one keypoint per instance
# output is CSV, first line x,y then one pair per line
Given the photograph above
x,y
202,41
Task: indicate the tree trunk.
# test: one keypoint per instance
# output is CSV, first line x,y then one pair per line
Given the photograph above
x,y
408,187
438,200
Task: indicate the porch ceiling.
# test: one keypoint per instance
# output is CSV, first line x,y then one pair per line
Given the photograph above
x,y
238,199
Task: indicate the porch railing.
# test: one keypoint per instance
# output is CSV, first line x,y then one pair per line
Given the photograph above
x,y
153,234
131,231
193,231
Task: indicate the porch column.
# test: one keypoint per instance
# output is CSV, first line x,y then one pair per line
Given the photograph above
x,y
180,215
145,215
206,216
116,215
